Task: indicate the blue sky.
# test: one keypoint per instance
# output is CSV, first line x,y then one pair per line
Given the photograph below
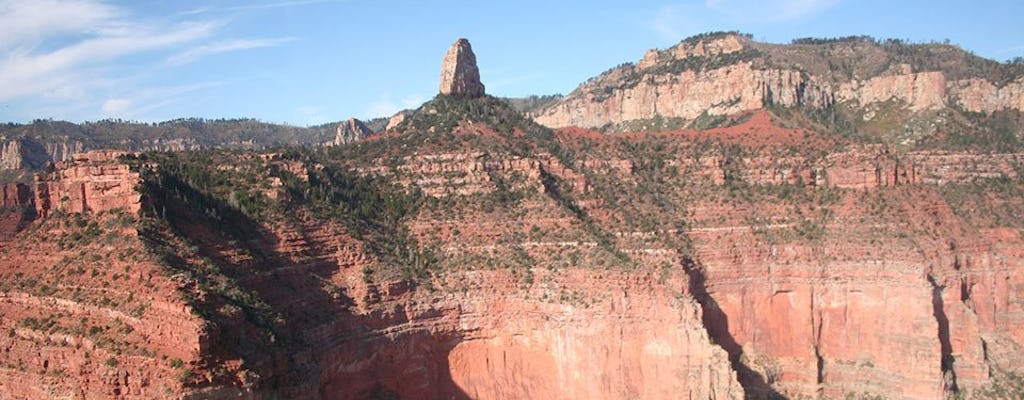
x,y
313,61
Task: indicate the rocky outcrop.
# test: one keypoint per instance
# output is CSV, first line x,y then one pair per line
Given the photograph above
x,y
586,352
729,74
27,148
397,119
15,209
28,153
349,131
14,195
919,91
491,338
440,175
810,329
687,95
979,95
93,181
10,155
459,73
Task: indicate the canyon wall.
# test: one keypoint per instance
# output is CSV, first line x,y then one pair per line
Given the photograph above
x,y
14,195
27,153
979,95
15,206
93,181
849,274
688,95
872,293
489,337
845,315
729,74
86,309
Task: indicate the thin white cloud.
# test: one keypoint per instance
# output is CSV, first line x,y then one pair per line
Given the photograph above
x,y
115,106
26,23
23,73
195,11
69,55
385,106
281,4
141,103
256,6
201,51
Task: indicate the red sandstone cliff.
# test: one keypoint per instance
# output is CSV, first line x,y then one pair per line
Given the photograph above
x,y
15,208
14,195
87,311
93,181
912,301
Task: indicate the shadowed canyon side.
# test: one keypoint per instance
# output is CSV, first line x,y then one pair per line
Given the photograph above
x,y
302,309
468,252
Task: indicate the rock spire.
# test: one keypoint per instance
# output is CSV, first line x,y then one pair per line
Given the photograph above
x,y
459,74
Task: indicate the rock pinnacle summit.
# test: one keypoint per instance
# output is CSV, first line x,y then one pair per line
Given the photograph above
x,y
459,74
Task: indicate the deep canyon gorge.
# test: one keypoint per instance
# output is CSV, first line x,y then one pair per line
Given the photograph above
x,y
724,219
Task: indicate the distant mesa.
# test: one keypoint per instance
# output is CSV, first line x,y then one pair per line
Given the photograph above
x,y
459,74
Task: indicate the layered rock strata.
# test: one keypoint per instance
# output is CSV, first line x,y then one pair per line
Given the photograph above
x,y
769,301
93,181
14,195
728,74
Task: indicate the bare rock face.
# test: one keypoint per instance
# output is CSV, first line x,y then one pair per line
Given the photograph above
x,y
727,90
350,131
396,119
93,181
979,95
920,91
459,74
14,195
22,153
10,155
15,200
729,74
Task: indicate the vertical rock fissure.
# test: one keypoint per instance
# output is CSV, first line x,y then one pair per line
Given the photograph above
x,y
819,360
820,366
938,310
716,324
